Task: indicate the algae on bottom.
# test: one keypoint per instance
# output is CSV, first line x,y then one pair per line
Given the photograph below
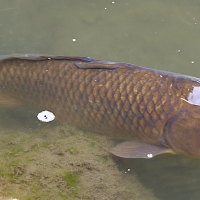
x,y
62,163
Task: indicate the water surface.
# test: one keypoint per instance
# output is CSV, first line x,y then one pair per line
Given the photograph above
x,y
156,34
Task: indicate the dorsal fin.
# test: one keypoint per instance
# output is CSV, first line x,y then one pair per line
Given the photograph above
x,y
82,62
96,64
44,57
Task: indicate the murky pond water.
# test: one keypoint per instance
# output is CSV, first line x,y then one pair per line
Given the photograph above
x,y
155,34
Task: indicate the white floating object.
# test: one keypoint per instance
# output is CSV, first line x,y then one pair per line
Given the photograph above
x,y
46,116
192,62
129,170
74,40
149,155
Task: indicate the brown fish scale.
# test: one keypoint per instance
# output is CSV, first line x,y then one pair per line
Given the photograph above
x,y
126,102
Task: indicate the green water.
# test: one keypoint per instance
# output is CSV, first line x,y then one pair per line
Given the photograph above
x,y
157,34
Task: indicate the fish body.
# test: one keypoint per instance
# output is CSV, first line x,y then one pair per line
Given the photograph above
x,y
152,110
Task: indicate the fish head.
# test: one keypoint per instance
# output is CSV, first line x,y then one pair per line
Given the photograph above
x,y
182,131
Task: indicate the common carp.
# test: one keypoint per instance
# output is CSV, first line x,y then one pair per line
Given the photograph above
x,y
153,111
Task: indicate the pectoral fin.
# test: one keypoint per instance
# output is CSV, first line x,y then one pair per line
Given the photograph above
x,y
8,102
135,149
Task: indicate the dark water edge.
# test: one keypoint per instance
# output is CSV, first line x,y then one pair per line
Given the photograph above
x,y
168,176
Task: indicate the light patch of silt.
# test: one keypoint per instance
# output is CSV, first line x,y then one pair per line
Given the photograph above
x,y
62,163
